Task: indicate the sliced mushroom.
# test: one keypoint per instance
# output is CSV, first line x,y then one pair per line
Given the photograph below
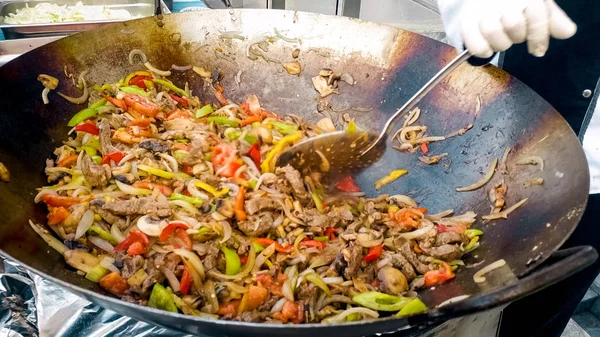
x,y
392,281
151,225
322,87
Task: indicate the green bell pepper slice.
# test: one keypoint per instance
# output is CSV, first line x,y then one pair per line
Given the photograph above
x,y
160,298
416,306
381,302
134,89
223,121
204,111
170,86
233,263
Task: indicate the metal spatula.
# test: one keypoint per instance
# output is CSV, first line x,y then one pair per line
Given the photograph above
x,y
338,154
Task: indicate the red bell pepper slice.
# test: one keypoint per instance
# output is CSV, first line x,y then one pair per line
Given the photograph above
x,y
68,161
181,100
312,243
170,230
240,212
115,156
374,253
424,148
60,201
265,242
139,81
56,215
224,160
187,169
143,122
330,232
135,244
254,153
140,105
244,259
186,282
435,277
119,103
347,185
88,127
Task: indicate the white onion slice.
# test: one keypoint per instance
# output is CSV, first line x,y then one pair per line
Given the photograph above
x,y
42,193
45,93
84,224
181,68
226,231
278,305
453,300
157,71
419,232
360,310
116,233
478,276
186,206
108,263
487,177
333,280
191,187
135,52
404,199
193,259
101,243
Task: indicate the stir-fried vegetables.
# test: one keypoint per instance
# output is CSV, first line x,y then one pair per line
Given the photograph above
x,y
176,202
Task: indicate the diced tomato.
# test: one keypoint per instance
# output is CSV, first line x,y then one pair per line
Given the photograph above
x,y
68,161
187,169
265,242
184,102
57,215
256,296
424,148
292,312
435,277
264,280
143,122
331,232
176,233
60,201
229,308
136,243
119,103
347,185
186,282
114,283
88,127
224,160
444,228
139,81
115,156
312,243
254,153
140,105
165,190
374,253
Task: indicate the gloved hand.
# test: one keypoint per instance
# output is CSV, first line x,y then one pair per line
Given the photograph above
x,y
485,26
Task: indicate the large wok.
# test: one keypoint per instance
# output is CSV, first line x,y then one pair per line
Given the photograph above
x,y
389,65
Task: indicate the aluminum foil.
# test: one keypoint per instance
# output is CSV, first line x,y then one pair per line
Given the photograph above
x,y
32,306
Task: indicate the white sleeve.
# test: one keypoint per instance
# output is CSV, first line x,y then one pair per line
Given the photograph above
x,y
451,11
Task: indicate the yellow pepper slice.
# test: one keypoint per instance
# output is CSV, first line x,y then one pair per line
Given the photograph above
x,y
268,165
163,173
389,178
211,189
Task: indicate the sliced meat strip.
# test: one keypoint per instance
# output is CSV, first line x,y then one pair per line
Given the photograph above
x,y
257,225
295,179
111,218
411,257
154,146
254,206
444,252
106,146
354,260
139,206
398,261
94,174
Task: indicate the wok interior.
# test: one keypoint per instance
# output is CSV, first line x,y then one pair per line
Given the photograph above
x,y
388,65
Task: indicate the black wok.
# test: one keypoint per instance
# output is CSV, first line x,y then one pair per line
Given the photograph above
x,y
388,65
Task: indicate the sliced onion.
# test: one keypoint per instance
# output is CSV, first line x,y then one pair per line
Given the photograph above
x,y
174,165
181,68
191,187
191,222
79,190
157,71
166,249
288,212
252,169
504,214
42,193
51,240
264,176
504,161
108,263
440,215
333,280
138,52
193,259
186,206
84,224
116,233
263,256
404,199
277,222
128,189
453,300
126,159
235,287
243,273
101,243
287,291
363,311
226,227
84,96
335,299
278,305
365,240
419,232
382,263
532,160
478,276
45,93
487,177
173,281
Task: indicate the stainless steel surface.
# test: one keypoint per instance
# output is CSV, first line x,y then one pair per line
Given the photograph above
x,y
141,8
10,49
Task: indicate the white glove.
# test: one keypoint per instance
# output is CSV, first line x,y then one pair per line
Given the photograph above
x,y
485,26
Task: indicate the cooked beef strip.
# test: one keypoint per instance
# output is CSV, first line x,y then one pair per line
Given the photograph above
x,y
340,214
139,206
295,179
211,259
354,261
94,174
410,256
154,146
450,237
154,275
398,261
444,252
417,283
111,218
131,264
253,316
106,146
257,225
128,178
304,291
256,205
314,218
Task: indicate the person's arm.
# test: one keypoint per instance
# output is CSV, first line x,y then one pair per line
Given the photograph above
x,y
486,26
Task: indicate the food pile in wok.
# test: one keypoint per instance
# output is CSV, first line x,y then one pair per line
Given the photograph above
x,y
175,203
